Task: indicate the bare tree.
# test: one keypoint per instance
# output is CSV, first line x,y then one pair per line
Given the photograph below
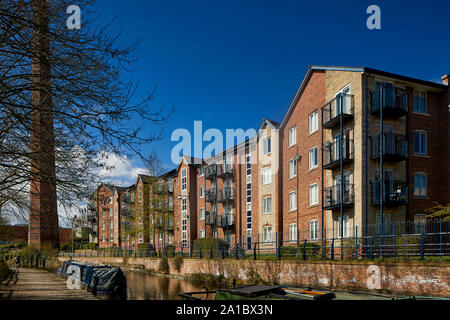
x,y
93,107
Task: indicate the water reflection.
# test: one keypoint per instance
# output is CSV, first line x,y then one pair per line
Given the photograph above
x,y
142,286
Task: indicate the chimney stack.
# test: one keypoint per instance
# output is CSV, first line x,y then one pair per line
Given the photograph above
x,y
445,79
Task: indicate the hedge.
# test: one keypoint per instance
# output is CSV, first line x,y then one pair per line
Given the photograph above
x,y
204,245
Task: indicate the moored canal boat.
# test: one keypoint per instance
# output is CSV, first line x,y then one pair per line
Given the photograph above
x,y
101,280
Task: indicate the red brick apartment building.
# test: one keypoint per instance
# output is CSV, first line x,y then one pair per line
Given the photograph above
x,y
356,147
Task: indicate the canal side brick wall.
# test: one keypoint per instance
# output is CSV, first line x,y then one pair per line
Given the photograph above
x,y
404,278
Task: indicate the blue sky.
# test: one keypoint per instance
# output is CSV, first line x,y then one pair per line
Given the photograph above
x,y
231,63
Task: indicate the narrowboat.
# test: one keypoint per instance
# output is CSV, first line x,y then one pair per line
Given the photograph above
x,y
259,292
101,280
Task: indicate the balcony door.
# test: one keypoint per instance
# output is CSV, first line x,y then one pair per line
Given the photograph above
x,y
342,101
388,139
384,94
388,183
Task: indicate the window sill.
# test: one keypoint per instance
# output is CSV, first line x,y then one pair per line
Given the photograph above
x,y
314,168
313,205
421,198
421,155
292,178
293,210
422,114
311,133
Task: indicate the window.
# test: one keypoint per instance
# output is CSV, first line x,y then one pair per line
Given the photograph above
x,y
169,238
103,213
346,226
266,175
386,222
110,224
267,234
103,226
110,212
267,145
314,122
267,205
103,238
202,170
420,142
313,158
202,213
420,184
314,230
293,232
110,200
420,102
202,233
202,191
313,194
292,136
292,168
293,200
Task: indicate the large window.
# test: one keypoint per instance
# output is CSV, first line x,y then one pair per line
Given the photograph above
x,y
183,179
202,191
420,184
267,205
420,102
313,194
293,232
293,201
267,145
202,233
314,122
267,234
420,142
314,230
313,158
346,226
266,175
292,136
292,168
202,213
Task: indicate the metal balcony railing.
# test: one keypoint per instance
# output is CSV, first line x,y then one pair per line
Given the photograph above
x,y
91,207
225,221
211,171
210,218
332,152
210,195
225,170
395,146
394,101
395,192
225,194
340,105
332,196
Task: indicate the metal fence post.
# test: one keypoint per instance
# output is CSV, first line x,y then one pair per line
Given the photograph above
x,y
304,250
371,248
190,251
254,251
237,252
332,249
211,252
440,238
200,253
422,246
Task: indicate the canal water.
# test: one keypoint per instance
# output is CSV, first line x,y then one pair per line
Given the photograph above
x,y
143,286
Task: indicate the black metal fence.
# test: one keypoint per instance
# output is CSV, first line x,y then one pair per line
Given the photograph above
x,y
424,240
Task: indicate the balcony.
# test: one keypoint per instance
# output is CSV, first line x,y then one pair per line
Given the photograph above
x,y
91,207
210,195
225,194
211,171
393,101
210,218
395,147
332,196
225,221
225,171
395,192
342,105
332,153
161,188
92,219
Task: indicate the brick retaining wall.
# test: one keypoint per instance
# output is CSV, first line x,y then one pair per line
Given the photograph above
x,y
404,278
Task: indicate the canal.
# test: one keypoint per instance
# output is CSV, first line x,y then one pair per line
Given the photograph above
x,y
142,286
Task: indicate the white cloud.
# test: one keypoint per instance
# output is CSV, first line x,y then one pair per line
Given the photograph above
x,y
119,169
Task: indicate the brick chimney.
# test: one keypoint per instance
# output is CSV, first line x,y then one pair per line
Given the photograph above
x,y
445,79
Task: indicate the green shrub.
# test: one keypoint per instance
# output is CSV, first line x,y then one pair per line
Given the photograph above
x,y
204,245
146,249
4,270
90,246
66,247
312,250
168,251
178,262
163,266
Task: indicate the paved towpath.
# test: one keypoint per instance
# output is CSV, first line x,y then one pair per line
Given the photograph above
x,y
34,284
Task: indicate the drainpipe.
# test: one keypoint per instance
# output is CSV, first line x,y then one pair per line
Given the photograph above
x,y
381,141
341,161
366,150
321,169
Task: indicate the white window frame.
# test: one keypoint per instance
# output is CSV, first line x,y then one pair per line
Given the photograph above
x,y
421,132
293,232
292,168
265,208
419,93
314,229
310,158
202,191
313,122
266,175
202,233
314,186
292,136
267,146
421,174
202,213
291,202
267,234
